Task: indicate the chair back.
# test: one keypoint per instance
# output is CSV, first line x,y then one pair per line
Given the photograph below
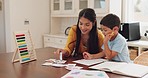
x,y
142,59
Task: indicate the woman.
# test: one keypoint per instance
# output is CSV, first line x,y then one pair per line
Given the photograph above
x,y
84,39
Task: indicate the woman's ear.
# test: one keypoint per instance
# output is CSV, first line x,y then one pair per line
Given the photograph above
x,y
94,22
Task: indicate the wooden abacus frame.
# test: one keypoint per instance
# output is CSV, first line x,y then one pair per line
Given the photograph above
x,y
25,47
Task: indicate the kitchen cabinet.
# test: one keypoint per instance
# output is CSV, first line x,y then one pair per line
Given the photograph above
x,y
64,13
62,7
71,8
54,41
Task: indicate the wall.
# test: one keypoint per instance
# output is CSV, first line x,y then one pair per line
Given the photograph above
x,y
2,29
35,11
127,10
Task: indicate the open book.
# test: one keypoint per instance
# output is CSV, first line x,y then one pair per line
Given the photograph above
x,y
128,69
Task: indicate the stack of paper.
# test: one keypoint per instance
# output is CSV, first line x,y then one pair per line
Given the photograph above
x,y
85,74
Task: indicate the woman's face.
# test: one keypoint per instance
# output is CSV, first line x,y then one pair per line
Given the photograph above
x,y
85,25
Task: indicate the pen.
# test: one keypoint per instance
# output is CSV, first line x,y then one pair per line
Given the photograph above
x,y
61,56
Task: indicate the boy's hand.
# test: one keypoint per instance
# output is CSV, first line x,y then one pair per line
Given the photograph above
x,y
108,37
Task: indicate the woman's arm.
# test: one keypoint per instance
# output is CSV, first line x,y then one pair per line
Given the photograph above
x,y
87,55
70,44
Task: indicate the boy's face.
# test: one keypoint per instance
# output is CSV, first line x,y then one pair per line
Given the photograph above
x,y
106,30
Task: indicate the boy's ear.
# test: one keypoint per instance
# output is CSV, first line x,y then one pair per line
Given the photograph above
x,y
116,28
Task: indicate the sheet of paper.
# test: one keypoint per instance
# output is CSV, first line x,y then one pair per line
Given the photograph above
x,y
73,68
54,64
90,62
56,61
85,74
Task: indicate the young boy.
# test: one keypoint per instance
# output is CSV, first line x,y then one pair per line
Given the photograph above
x,y
115,46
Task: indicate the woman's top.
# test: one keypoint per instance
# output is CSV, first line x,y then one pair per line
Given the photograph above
x,y
71,41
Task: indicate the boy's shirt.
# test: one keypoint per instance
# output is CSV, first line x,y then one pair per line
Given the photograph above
x,y
119,45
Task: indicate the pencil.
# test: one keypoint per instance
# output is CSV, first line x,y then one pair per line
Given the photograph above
x,y
61,56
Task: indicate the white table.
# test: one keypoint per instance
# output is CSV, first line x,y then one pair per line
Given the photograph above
x,y
138,43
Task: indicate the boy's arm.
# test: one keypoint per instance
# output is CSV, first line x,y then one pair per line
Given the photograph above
x,y
108,53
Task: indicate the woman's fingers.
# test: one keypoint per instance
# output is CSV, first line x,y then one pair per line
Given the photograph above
x,y
85,55
58,51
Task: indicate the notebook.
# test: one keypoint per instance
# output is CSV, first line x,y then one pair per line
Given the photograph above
x,y
90,62
128,69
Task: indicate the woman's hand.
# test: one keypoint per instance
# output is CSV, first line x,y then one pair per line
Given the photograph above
x,y
87,56
58,51
64,52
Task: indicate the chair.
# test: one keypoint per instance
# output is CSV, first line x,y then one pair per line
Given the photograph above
x,y
142,59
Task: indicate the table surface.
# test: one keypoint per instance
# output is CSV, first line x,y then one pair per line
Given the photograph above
x,y
138,43
34,69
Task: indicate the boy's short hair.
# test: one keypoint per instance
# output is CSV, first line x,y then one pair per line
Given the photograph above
x,y
110,21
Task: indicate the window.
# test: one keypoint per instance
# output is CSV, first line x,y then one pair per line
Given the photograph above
x,y
141,10
141,14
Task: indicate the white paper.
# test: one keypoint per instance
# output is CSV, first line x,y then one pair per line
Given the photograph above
x,y
73,68
53,64
90,62
56,61
85,74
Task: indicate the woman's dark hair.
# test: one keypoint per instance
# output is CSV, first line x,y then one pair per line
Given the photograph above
x,y
92,43
110,20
